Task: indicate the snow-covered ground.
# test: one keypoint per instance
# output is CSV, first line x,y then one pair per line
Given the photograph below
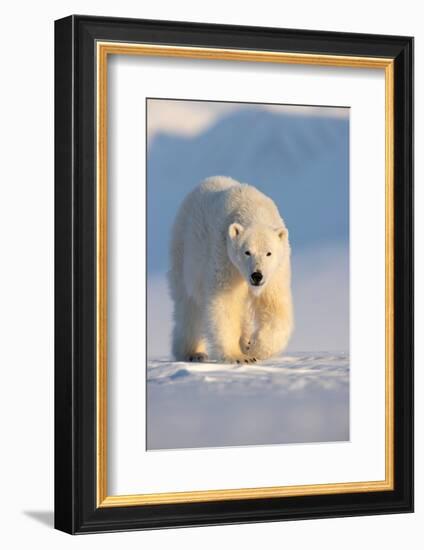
x,y
297,398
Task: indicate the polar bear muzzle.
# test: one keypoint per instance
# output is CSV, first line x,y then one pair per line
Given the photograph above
x,y
256,278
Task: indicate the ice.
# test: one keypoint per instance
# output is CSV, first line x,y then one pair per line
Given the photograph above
x,y
296,398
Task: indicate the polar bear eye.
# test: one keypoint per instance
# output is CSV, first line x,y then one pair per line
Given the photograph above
x,y
247,253
268,254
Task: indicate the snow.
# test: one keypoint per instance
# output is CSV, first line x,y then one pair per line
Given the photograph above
x,y
296,398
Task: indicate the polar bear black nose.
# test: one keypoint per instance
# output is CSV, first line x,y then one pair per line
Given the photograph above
x,y
256,277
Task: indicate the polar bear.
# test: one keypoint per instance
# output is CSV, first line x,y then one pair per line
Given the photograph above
x,y
229,275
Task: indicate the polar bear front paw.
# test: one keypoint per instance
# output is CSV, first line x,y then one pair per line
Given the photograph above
x,y
239,359
247,348
198,357
259,349
247,360
245,344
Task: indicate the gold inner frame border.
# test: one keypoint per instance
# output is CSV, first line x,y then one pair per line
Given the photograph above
x,y
103,50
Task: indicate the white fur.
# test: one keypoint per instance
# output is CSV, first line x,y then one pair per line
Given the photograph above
x,y
217,310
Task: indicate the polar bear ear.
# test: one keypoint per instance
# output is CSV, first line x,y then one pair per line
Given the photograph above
x,y
281,232
235,230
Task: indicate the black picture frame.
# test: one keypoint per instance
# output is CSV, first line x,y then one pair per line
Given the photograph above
x,y
76,509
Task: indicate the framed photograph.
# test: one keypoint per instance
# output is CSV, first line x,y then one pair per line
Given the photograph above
x,y
234,274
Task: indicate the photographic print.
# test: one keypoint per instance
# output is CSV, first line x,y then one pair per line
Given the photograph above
x,y
247,274
220,298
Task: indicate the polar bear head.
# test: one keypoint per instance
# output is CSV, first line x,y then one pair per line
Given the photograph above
x,y
257,251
